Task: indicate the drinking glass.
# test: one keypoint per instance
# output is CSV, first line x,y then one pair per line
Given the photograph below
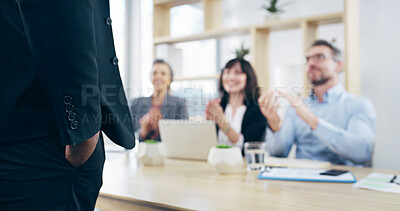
x,y
254,153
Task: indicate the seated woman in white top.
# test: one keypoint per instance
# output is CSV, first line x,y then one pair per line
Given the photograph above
x,y
236,113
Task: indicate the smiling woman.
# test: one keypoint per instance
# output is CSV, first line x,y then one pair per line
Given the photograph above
x,y
161,78
147,111
236,113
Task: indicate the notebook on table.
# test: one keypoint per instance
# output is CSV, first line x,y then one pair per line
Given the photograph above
x,y
380,182
308,175
296,163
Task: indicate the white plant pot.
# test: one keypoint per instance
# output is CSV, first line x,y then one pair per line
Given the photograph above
x,y
225,161
151,154
272,17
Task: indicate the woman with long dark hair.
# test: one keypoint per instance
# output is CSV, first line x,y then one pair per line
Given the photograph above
x,y
236,113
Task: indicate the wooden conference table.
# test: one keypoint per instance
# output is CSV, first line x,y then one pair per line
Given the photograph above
x,y
193,185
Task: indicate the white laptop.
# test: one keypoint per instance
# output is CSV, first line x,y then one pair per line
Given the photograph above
x,y
188,139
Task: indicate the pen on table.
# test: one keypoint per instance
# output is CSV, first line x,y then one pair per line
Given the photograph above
x,y
392,180
395,180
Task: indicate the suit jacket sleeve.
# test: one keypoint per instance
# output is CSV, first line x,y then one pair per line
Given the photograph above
x,y
61,38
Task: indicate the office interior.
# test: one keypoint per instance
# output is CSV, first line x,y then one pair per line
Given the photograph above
x,y
197,61
197,44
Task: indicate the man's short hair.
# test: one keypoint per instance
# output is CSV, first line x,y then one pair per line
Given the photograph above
x,y
337,55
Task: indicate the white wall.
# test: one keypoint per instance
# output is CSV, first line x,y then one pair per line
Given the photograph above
x,y
243,12
285,46
380,51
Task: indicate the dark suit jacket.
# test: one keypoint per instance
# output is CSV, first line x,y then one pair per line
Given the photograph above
x,y
172,108
59,72
254,124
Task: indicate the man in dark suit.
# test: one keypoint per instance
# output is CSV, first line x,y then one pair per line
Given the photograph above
x,y
59,87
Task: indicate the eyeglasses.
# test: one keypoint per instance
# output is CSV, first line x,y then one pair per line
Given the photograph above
x,y
317,57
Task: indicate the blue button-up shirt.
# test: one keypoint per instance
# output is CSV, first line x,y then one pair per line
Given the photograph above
x,y
344,135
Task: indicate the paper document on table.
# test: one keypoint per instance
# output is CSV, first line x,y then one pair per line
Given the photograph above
x,y
380,182
295,163
309,175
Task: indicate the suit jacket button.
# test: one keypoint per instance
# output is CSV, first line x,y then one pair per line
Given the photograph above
x,y
108,21
69,108
74,125
67,100
72,116
115,61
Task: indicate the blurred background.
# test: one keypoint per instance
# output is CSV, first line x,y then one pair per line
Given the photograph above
x,y
365,30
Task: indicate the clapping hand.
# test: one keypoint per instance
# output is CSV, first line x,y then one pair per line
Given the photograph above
x,y
149,122
301,109
269,108
215,112
155,115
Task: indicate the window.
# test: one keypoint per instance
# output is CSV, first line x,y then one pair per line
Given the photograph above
x,y
196,94
117,14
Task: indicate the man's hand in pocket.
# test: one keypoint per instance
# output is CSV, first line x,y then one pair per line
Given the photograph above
x,y
80,153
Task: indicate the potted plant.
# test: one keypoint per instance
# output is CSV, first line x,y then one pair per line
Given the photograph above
x,y
273,10
242,51
151,152
225,159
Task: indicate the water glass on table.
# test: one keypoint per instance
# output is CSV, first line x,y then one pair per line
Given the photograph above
x,y
254,153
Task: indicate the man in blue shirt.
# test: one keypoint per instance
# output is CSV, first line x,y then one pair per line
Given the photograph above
x,y
330,124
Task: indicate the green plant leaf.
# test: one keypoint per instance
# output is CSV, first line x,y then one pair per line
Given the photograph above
x,y
273,6
151,141
223,146
242,51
